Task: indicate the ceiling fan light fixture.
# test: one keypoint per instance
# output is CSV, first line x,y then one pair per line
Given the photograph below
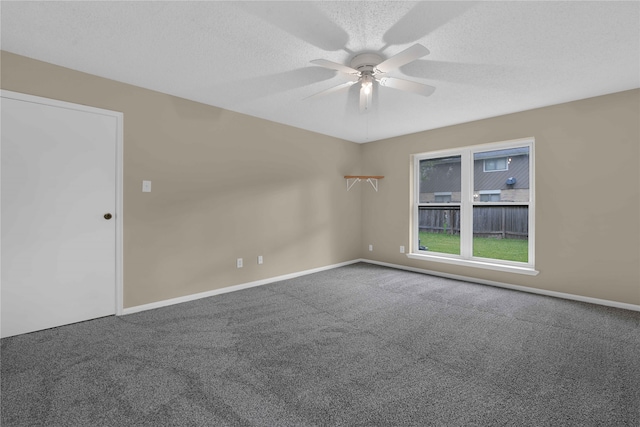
x,y
367,84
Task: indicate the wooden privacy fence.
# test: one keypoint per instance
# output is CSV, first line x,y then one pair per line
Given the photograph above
x,y
439,220
504,222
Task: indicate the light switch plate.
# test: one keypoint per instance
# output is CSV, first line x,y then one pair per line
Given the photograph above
x,y
146,186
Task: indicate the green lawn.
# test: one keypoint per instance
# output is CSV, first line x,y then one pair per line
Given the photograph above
x,y
485,247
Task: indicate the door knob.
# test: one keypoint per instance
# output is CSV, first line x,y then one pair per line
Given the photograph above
x,y
107,216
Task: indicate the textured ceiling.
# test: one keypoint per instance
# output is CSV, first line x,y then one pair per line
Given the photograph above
x,y
487,58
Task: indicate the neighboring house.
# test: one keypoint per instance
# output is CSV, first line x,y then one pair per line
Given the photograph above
x,y
502,176
499,176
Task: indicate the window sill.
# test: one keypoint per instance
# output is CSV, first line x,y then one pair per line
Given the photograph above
x,y
477,264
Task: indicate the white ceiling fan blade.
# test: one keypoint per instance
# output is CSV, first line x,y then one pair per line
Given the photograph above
x,y
406,85
333,89
398,60
334,66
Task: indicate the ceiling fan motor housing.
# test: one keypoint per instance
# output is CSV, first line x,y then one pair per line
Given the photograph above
x,y
366,62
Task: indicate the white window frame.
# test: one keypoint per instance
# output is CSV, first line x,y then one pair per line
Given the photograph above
x,y
467,203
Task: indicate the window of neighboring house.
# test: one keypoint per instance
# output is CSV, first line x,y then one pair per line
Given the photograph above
x,y
455,220
442,197
494,165
487,196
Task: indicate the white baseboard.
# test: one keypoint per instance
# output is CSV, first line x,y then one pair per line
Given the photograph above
x,y
192,297
563,295
234,288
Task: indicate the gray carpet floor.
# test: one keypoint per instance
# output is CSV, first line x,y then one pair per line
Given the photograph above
x,y
357,345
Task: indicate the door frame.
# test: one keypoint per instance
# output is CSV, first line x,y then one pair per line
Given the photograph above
x,y
119,174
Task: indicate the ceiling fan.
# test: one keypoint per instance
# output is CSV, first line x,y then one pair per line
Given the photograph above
x,y
367,68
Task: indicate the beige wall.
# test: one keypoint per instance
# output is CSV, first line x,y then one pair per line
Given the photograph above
x,y
225,185
587,192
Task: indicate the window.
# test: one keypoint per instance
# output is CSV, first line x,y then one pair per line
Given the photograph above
x,y
487,196
465,216
493,165
439,207
442,197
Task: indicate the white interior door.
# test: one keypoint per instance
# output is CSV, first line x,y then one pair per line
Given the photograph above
x,y
58,183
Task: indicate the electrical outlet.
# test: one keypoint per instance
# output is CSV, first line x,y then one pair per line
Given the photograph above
x,y
401,249
260,260
239,263
371,247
